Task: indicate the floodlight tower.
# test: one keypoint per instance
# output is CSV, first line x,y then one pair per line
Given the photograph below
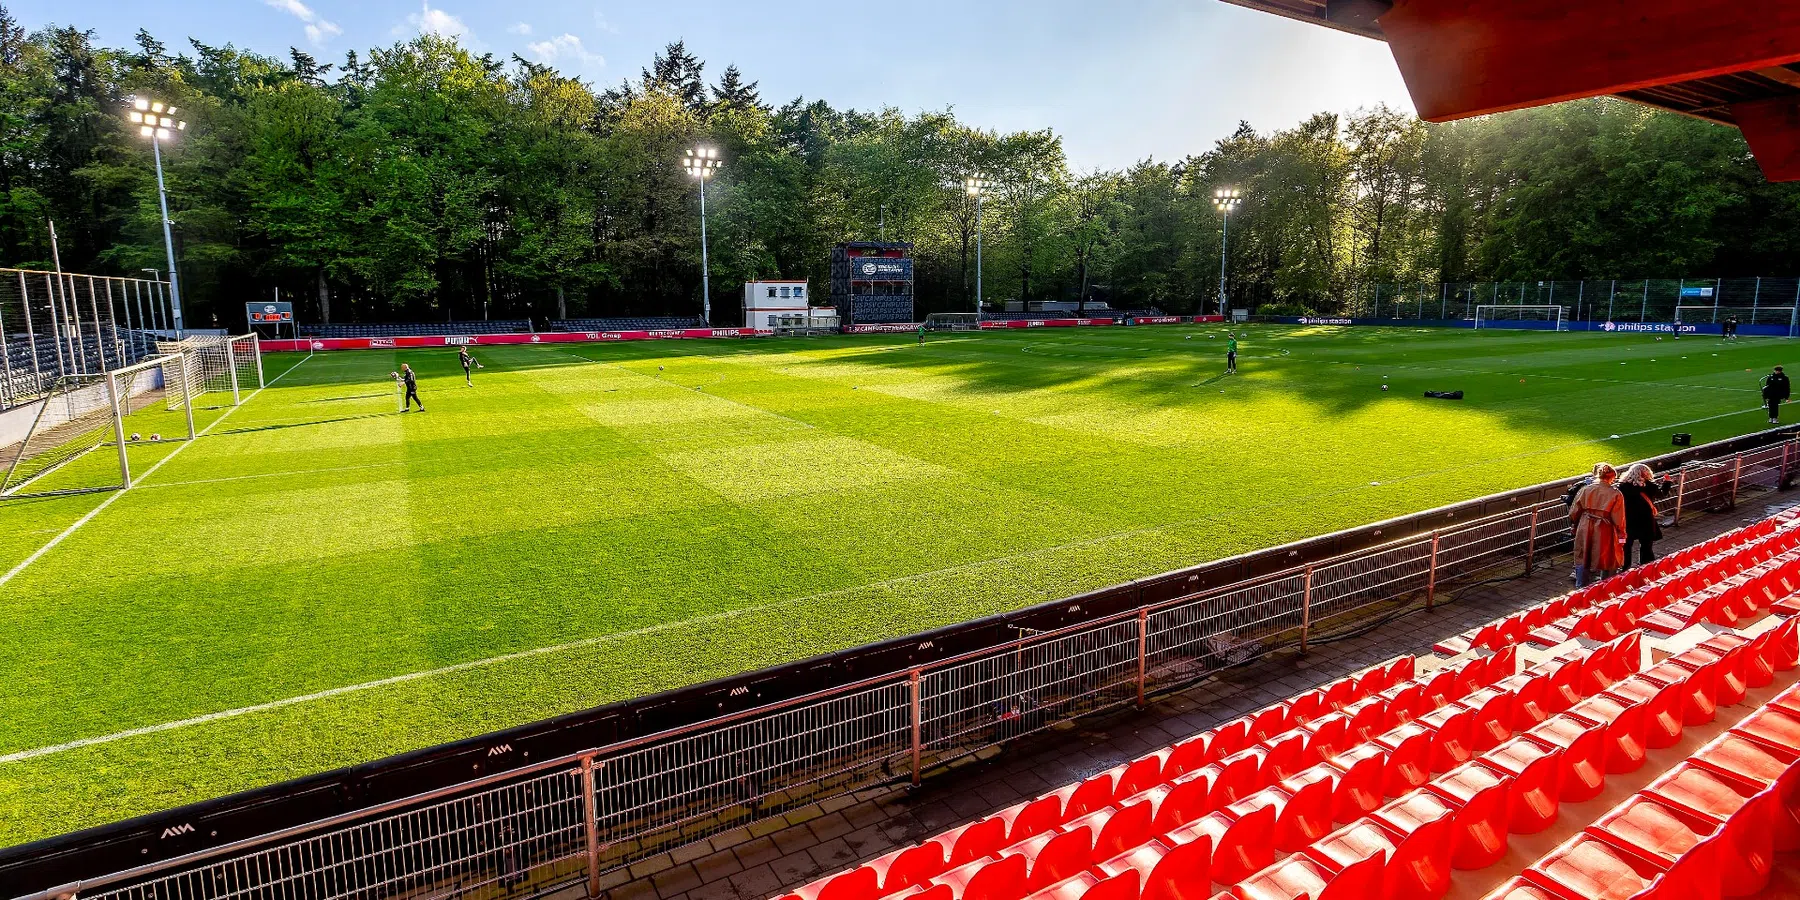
x,y
977,185
156,121
1226,199
703,163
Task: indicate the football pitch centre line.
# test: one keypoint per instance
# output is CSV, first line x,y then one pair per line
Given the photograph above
x,y
597,640
115,495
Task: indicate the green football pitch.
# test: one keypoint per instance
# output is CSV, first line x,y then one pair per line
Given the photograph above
x,y
320,580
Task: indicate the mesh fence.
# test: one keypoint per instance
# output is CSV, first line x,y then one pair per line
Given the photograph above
x,y
59,327
1751,301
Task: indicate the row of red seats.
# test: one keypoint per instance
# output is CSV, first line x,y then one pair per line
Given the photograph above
x,y
1613,606
1286,791
1518,786
1192,778
1707,828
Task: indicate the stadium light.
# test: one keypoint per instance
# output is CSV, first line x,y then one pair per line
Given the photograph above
x,y
977,185
156,120
703,163
1226,200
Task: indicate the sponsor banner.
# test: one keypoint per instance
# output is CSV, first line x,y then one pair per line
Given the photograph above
x,y
1093,323
559,337
1202,320
1646,328
880,268
273,313
1323,320
1160,320
882,328
1696,292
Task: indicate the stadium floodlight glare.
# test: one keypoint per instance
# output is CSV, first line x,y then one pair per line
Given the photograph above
x,y
156,121
1226,200
977,185
703,163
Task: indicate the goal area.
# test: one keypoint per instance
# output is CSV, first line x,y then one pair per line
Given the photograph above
x,y
216,365
1530,318
132,412
953,321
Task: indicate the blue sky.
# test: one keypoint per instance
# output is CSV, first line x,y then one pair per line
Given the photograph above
x,y
1120,81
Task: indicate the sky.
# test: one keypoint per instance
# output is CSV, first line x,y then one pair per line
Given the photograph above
x,y
1120,81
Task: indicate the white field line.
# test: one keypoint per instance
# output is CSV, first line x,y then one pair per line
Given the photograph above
x,y
747,610
115,495
293,472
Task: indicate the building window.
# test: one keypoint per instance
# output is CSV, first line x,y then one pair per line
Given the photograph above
x,y
771,293
799,292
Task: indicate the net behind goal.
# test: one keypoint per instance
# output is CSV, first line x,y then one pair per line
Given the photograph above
x,y
1782,316
84,435
1544,318
216,366
953,321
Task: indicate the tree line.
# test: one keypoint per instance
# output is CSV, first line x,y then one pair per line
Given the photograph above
x,y
422,181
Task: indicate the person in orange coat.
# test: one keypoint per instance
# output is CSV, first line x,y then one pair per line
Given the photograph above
x,y
1599,516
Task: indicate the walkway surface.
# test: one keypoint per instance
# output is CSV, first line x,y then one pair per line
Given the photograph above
x,y
769,858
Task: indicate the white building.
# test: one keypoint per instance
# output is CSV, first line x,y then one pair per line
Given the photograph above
x,y
784,304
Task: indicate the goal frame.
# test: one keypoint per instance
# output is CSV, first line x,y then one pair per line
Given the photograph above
x,y
115,385
1561,314
953,321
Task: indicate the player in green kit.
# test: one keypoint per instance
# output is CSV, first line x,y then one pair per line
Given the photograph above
x,y
1231,354
921,333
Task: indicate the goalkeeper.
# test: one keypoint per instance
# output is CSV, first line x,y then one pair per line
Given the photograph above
x,y
409,378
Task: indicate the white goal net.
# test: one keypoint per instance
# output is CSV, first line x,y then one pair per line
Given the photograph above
x,y
953,321
216,366
66,448
1542,318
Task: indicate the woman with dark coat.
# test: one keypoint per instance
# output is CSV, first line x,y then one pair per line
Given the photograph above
x,y
1641,491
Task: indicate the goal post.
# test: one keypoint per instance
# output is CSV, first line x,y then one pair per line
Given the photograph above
x,y
121,408
953,321
218,364
1513,316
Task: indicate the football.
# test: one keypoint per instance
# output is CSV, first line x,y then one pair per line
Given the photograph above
x,y
134,436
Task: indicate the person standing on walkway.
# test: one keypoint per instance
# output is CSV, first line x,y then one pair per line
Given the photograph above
x,y
1599,516
411,379
1641,490
1775,391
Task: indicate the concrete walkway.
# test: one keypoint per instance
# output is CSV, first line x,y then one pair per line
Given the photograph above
x,y
771,857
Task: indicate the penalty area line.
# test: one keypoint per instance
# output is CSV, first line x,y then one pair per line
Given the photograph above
x,y
115,495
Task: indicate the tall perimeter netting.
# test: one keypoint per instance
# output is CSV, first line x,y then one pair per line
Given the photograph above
x,y
87,432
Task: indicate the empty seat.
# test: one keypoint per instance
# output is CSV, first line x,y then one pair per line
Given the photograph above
x,y
1242,845
1305,878
1409,756
1626,729
1482,799
1662,707
1537,771
1583,747
1452,738
1654,828
1417,862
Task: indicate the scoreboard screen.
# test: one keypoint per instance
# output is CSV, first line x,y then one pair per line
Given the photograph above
x,y
279,312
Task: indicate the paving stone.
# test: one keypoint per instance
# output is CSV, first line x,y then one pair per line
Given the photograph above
x,y
757,882
794,840
678,880
833,854
717,890
834,825
718,866
796,869
757,852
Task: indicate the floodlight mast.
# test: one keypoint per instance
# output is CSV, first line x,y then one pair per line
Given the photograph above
x,y
977,186
703,163
156,121
1226,200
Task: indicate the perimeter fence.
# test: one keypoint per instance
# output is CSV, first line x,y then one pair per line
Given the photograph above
x,y
59,326
1752,301
570,821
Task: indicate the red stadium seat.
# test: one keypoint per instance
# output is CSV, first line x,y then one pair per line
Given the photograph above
x,y
1704,791
1367,718
974,840
1026,820
1231,737
1418,862
1304,878
1452,739
1402,703
1341,693
1626,730
1744,851
1745,757
1182,801
1360,788
1283,755
1654,828
1584,755
1773,726
860,883
1055,856
1521,889
1530,700
1233,778
1189,755
1482,799
1271,721
909,866
1662,706
1304,708
1588,868
1242,846
1140,774
1409,754
1327,736
986,879
1731,682
1699,689
1537,771
1306,813
1493,714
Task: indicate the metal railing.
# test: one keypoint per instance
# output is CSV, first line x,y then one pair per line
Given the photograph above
x,y
56,326
556,824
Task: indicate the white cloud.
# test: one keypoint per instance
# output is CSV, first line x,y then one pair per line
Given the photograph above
x,y
317,28
431,20
604,24
563,48
521,28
